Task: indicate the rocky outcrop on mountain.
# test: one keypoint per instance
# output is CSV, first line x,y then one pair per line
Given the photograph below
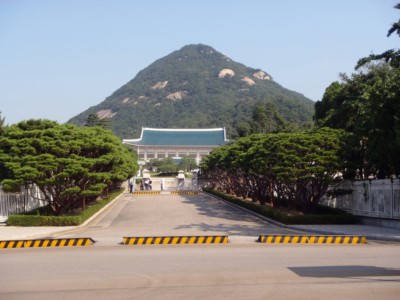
x,y
195,87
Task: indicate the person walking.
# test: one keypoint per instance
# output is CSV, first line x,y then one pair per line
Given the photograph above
x,y
130,185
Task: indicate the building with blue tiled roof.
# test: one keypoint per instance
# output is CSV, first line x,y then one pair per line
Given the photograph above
x,y
177,143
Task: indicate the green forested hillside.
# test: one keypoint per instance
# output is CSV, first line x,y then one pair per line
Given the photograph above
x,y
195,87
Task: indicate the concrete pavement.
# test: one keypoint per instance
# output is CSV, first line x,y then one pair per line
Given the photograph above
x,y
370,232
219,271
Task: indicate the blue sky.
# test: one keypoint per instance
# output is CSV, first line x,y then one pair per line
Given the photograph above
x,y
59,57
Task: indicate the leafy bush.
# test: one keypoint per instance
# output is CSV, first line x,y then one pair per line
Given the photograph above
x,y
41,217
324,215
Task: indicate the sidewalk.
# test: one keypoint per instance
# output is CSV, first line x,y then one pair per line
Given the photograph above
x,y
370,232
26,233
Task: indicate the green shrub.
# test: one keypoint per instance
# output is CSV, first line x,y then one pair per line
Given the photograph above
x,y
324,215
40,217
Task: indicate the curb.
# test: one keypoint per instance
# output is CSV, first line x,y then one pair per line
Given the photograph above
x,y
176,240
101,210
261,217
311,239
42,243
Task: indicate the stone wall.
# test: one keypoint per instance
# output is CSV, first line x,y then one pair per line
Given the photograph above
x,y
369,198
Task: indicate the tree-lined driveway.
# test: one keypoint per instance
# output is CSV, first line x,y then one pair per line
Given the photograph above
x,y
166,215
246,270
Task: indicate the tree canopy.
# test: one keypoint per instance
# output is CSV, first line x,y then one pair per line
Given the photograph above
x,y
367,105
285,169
266,118
70,165
93,120
391,56
2,123
168,165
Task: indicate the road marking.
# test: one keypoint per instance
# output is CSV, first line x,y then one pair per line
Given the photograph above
x,y
175,240
311,239
146,192
45,243
165,193
184,192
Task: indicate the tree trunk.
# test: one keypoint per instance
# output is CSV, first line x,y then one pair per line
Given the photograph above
x,y
83,203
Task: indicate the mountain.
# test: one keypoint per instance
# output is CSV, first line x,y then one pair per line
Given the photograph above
x,y
195,87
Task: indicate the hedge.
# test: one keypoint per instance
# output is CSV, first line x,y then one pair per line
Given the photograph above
x,y
327,215
34,218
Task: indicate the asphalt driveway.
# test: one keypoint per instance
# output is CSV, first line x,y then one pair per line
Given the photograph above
x,y
164,215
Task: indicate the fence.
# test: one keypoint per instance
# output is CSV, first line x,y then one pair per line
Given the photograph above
x,y
27,200
172,184
370,198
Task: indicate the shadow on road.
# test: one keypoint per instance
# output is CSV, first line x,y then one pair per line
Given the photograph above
x,y
344,271
227,219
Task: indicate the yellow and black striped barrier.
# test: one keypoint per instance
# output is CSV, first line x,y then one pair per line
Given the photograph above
x,y
185,192
311,239
175,240
39,243
146,192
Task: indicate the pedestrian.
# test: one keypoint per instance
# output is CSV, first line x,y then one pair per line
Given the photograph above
x,y
130,185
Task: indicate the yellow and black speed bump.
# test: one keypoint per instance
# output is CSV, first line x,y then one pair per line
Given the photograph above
x,y
311,239
146,192
175,240
185,192
39,243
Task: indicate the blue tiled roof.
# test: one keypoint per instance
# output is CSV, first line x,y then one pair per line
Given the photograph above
x,y
180,137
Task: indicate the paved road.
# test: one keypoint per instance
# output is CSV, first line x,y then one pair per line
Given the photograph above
x,y
239,270
230,271
163,215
